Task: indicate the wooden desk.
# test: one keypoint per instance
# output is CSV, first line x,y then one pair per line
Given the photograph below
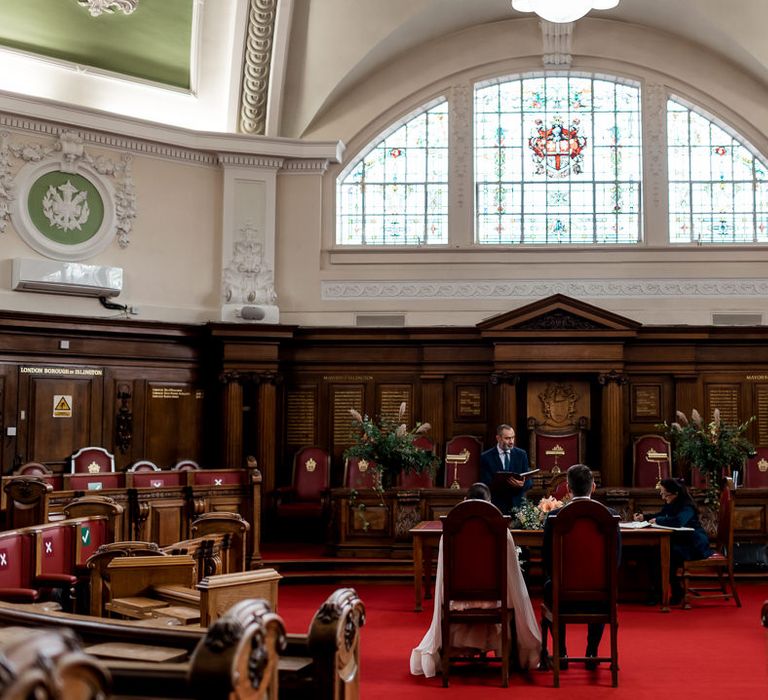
x,y
426,538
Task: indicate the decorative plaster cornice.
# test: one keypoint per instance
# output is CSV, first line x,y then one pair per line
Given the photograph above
x,y
256,66
481,289
306,167
246,161
97,7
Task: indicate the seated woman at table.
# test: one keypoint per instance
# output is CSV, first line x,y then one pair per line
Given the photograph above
x,y
477,638
679,510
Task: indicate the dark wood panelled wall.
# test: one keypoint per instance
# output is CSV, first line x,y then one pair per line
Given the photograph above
x,y
218,392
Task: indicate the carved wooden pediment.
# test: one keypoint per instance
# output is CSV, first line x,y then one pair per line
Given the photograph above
x,y
558,313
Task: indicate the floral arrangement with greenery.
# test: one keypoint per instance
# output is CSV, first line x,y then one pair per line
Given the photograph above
x,y
389,446
531,517
712,448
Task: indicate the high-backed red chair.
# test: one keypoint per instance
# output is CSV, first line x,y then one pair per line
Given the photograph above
x,y
415,480
359,473
651,455
584,575
26,501
16,567
706,579
556,450
462,461
92,460
185,465
475,577
306,497
54,562
558,486
756,469
143,465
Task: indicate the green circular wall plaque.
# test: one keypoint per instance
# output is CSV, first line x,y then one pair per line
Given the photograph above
x,y
66,208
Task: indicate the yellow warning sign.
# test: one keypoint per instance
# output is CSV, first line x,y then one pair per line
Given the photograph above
x,y
62,406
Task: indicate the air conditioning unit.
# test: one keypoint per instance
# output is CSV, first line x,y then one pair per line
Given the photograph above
x,y
70,278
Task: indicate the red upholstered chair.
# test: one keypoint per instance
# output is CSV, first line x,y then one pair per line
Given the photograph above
x,y
306,498
143,465
711,578
475,574
359,473
155,480
584,577
558,486
94,505
185,465
651,456
462,461
33,469
414,480
94,482
554,450
92,460
756,469
54,562
26,501
17,567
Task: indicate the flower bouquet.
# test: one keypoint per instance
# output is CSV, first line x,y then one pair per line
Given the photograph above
x,y
531,517
390,447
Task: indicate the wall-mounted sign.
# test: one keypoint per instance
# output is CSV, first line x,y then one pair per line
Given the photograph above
x,y
62,406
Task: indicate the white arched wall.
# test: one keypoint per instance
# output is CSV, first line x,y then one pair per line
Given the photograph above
x,y
320,283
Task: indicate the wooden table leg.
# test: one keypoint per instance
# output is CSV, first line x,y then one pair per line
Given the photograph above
x,y
664,550
418,567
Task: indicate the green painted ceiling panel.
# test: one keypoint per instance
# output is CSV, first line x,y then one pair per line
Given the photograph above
x,y
153,43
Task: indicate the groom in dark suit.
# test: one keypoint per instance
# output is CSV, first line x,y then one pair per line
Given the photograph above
x,y
505,457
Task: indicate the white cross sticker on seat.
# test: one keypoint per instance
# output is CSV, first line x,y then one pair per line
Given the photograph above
x,y
48,547
218,482
3,559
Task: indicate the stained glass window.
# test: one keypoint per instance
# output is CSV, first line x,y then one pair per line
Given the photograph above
x,y
397,192
718,188
558,161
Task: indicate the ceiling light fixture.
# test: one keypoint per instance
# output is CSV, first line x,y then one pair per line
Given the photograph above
x,y
97,7
562,11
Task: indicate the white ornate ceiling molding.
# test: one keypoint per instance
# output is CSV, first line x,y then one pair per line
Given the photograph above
x,y
556,40
64,202
247,161
98,7
481,289
256,66
306,167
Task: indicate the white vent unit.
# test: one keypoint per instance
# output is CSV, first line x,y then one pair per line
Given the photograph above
x,y
69,278
737,318
380,320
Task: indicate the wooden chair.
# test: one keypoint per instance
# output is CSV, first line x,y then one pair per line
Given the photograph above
x,y
584,577
475,577
706,579
756,469
185,465
143,465
231,524
306,498
558,486
48,663
92,460
462,461
55,576
26,501
16,567
359,473
92,505
651,455
33,469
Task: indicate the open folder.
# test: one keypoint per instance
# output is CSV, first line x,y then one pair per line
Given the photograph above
x,y
500,478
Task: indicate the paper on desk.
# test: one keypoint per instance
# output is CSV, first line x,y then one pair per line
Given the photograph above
x,y
634,525
676,529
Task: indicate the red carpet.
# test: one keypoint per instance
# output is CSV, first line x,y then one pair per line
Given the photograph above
x,y
713,651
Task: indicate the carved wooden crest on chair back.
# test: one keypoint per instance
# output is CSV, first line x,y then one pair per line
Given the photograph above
x,y
33,469
26,501
92,460
462,461
756,469
93,504
651,460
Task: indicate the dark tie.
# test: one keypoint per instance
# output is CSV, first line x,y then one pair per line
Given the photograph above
x,y
506,460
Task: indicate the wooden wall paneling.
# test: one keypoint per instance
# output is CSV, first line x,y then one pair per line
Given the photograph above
x,y
173,423
433,410
341,398
8,417
689,394
232,421
612,436
166,521
267,430
54,433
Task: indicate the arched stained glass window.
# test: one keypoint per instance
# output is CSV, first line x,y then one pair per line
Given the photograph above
x,y
558,161
397,192
718,188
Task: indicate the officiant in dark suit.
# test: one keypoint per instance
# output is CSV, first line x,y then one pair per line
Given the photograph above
x,y
507,492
